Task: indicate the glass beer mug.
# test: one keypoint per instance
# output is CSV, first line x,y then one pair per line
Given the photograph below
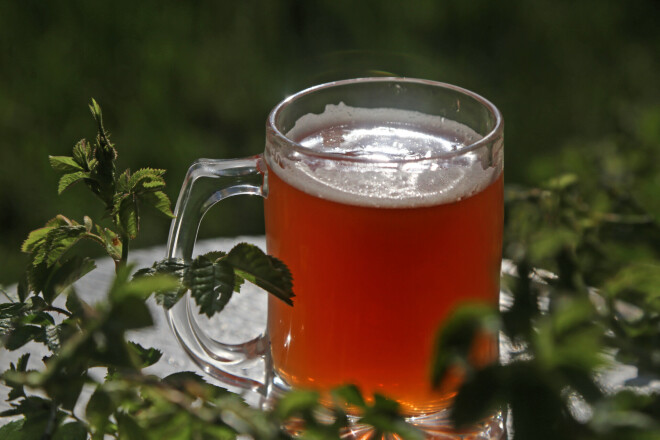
x,y
383,196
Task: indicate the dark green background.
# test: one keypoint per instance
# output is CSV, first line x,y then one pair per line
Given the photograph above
x,y
183,80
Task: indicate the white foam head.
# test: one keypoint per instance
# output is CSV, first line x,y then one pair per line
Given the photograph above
x,y
394,156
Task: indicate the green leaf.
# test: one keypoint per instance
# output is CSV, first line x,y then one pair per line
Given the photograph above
x,y
455,338
34,238
383,415
296,402
211,284
71,431
263,270
69,179
478,397
179,379
51,337
65,164
349,394
12,430
74,304
21,335
127,217
51,246
17,390
173,267
168,299
159,201
131,313
214,255
143,287
99,408
149,178
147,356
128,428
83,155
64,276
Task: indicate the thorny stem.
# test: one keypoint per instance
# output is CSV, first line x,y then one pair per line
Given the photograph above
x,y
58,310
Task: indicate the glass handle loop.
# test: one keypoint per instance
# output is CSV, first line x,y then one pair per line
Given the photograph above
x,y
207,182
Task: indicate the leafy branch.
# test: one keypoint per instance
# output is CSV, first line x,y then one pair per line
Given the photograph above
x,y
129,404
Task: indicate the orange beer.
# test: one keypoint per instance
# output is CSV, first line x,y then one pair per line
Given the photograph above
x,y
374,280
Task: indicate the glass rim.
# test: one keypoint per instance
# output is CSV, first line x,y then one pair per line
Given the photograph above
x,y
489,138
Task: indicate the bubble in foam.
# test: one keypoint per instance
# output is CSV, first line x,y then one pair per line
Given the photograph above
x,y
393,158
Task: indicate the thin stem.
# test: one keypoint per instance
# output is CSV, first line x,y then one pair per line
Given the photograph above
x,y
58,310
51,424
7,296
124,251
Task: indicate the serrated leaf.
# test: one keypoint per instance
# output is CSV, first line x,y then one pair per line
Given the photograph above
x,y
147,356
211,284
179,379
17,390
82,154
127,217
147,178
39,318
214,255
69,179
51,246
65,164
34,238
65,275
263,270
122,186
51,337
169,298
159,201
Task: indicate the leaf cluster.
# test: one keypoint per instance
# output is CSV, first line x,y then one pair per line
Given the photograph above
x,y
593,306
214,277
129,404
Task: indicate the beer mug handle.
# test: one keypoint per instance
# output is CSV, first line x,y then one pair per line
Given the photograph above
x,y
207,182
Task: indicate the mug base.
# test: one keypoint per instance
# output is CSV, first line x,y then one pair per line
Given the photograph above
x,y
433,426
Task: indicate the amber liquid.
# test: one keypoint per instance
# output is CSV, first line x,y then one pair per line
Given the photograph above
x,y
373,286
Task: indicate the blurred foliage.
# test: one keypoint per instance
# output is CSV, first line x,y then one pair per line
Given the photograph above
x,y
183,80
586,247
